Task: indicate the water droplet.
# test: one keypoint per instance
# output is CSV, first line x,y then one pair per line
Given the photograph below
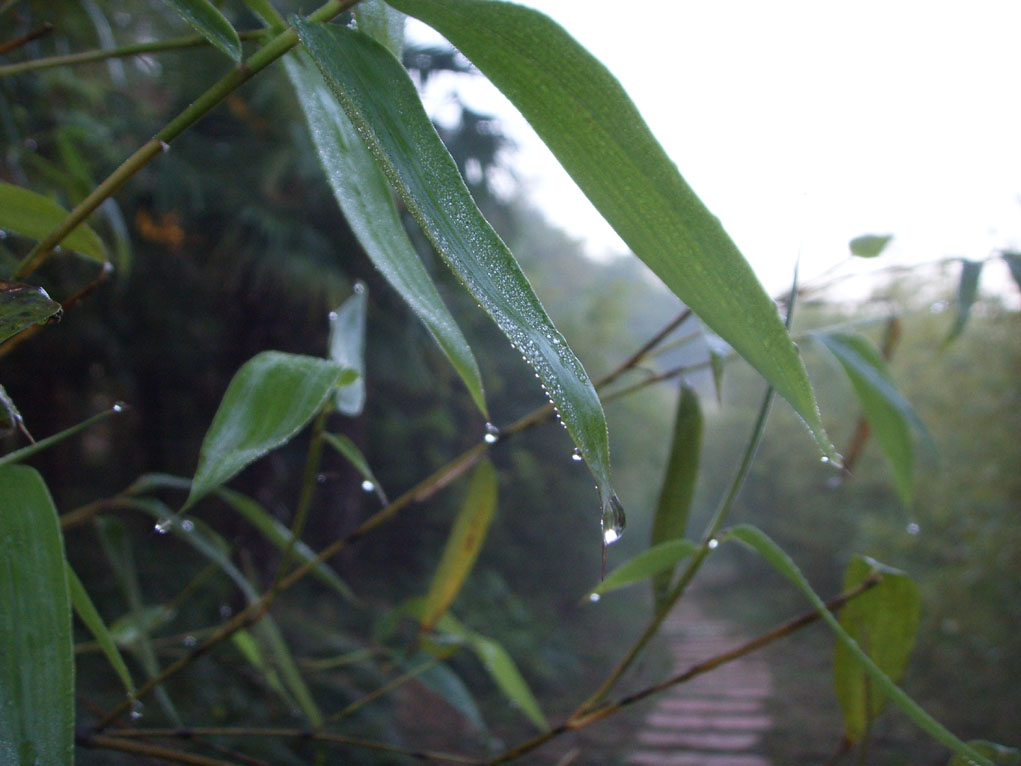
x,y
492,434
368,486
593,597
359,287
321,478
163,526
576,455
913,528
136,710
824,459
190,641
225,610
333,316
713,544
613,520
118,407
188,525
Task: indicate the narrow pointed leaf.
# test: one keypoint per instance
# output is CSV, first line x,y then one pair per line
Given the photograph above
x,y
889,413
463,545
347,348
870,245
36,652
590,124
92,620
272,397
245,643
382,23
1013,261
446,684
354,456
500,666
369,209
883,622
671,519
401,137
26,452
22,306
967,292
211,24
759,542
35,216
656,560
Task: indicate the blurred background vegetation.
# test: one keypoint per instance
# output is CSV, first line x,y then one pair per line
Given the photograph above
x,y
231,243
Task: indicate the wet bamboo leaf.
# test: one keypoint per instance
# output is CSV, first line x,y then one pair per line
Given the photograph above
x,y
463,545
22,306
671,519
656,560
130,629
347,348
1013,261
402,139
999,755
245,643
967,292
36,652
35,216
382,23
590,124
883,622
870,245
272,397
759,542
889,413
43,444
211,24
369,209
354,456
92,620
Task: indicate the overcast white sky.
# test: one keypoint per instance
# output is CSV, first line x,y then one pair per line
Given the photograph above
x,y
803,124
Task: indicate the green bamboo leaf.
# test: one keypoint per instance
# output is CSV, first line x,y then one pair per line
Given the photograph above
x,y
280,536
211,24
347,348
43,444
354,456
1000,755
888,412
272,397
92,619
445,683
369,209
466,539
35,216
883,622
1013,261
382,23
36,652
870,245
245,643
671,519
649,563
402,139
130,630
22,306
967,292
590,124
757,540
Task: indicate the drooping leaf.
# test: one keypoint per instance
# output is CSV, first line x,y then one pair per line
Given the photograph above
x,y
889,413
382,23
36,652
590,124
245,643
26,452
347,348
656,560
759,542
369,209
999,755
92,619
211,24
35,216
671,519
967,292
354,456
403,140
1013,261
272,397
463,545
870,245
883,622
22,306
445,683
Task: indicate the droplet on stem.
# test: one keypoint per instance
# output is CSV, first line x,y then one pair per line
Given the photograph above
x,y
492,434
163,526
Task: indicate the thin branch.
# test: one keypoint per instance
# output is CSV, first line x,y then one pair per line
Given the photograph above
x,y
125,745
17,42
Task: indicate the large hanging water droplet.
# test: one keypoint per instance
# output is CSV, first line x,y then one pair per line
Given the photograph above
x,y
492,434
613,520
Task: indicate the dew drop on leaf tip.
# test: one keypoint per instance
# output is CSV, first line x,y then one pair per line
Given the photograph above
x,y
613,520
492,434
713,544
163,526
368,486
593,597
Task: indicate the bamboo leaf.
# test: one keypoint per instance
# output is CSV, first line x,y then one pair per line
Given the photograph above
x,y
403,141
674,507
369,209
22,306
211,24
870,245
775,557
883,622
382,23
36,652
590,124
35,216
354,456
445,683
347,348
463,545
649,563
967,292
272,397
889,413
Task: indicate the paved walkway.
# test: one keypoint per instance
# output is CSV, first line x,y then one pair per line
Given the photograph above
x,y
713,720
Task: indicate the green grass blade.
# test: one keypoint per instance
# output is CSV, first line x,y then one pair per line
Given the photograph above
x,y
347,348
590,124
36,652
211,24
381,101
22,306
354,456
649,563
33,215
369,209
771,552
